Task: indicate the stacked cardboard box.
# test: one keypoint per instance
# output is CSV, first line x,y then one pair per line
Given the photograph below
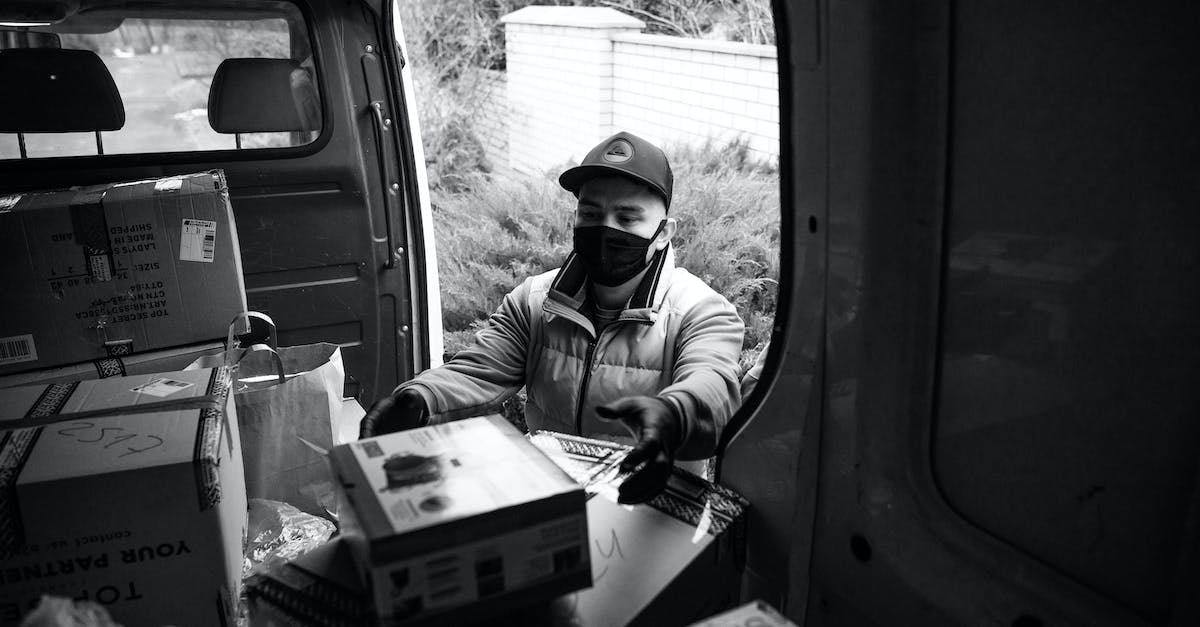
x,y
150,362
455,522
126,491
109,270
671,561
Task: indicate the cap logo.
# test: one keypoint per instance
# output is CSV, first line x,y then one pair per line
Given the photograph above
x,y
618,151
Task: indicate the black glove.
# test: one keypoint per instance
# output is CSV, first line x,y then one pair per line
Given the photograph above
x,y
389,414
657,428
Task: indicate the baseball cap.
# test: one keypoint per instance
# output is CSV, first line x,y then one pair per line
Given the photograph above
x,y
628,155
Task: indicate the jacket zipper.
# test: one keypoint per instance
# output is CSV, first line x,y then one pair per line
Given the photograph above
x,y
587,371
583,383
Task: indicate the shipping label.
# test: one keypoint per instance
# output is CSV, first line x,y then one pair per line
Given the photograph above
x,y
162,387
197,240
17,349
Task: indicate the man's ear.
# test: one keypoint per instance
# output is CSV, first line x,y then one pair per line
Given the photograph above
x,y
664,237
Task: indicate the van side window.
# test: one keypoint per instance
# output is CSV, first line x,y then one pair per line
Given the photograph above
x,y
164,65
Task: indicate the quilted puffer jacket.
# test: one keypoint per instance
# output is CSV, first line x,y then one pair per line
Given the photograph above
x,y
677,339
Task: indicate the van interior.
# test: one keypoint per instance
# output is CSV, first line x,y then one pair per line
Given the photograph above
x,y
979,405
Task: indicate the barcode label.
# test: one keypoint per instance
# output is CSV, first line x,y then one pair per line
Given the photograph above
x,y
98,267
17,349
162,387
198,240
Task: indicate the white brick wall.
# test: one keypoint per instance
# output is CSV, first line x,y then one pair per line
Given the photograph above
x,y
708,89
492,118
560,82
577,75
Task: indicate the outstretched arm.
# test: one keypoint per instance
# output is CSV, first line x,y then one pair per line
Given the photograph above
x,y
477,380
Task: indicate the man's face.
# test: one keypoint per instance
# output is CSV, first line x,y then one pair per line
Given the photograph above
x,y
620,203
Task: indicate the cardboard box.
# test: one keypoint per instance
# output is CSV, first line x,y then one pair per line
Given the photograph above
x,y
455,522
149,362
126,491
116,269
672,561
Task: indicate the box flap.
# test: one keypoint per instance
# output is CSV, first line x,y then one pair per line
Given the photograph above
x,y
27,406
109,425
106,444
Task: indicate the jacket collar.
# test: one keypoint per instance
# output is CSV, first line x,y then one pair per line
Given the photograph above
x,y
571,283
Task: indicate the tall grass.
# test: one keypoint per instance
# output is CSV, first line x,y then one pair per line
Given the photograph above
x,y
454,154
728,212
494,232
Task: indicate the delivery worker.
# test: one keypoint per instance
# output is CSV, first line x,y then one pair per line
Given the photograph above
x,y
617,341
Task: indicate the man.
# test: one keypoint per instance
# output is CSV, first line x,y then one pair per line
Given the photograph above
x,y
616,341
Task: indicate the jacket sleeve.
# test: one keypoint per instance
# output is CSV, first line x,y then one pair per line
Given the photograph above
x,y
479,378
705,388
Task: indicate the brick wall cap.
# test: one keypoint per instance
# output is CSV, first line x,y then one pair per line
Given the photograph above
x,y
708,45
578,17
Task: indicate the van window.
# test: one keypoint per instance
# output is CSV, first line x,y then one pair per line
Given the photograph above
x,y
163,65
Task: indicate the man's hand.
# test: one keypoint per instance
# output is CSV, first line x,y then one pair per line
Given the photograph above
x,y
657,428
389,414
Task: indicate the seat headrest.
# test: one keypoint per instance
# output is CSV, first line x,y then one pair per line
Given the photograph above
x,y
256,96
56,90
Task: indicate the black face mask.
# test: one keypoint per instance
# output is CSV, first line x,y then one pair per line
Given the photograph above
x,y
612,256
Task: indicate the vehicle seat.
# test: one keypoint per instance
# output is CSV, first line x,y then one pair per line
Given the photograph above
x,y
56,90
262,95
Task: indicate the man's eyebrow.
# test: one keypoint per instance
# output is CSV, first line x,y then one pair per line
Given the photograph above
x,y
630,209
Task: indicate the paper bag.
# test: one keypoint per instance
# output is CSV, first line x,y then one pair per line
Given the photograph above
x,y
287,408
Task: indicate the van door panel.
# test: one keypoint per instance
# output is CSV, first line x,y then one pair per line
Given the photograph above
x,y
940,490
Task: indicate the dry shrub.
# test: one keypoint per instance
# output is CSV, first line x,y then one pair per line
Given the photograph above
x,y
493,235
728,211
747,21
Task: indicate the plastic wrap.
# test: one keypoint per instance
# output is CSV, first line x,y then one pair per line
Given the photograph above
x,y
689,498
278,532
62,612
594,464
